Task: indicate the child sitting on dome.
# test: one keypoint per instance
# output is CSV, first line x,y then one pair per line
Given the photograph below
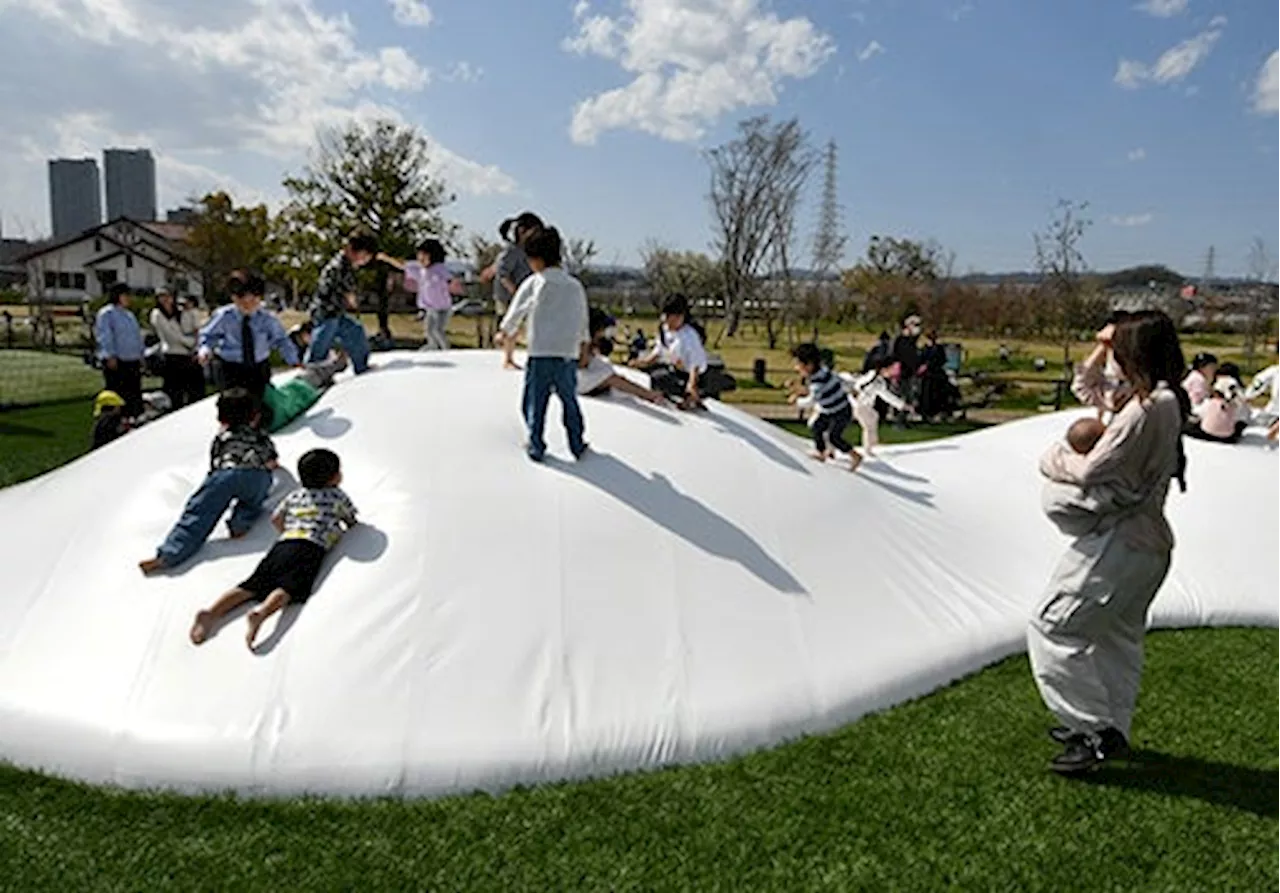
x,y
596,375
241,461
311,521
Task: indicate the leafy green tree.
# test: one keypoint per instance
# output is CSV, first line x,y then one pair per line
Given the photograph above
x,y
225,237
379,176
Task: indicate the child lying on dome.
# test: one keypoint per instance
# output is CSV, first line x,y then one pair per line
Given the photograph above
x,y
241,461
1074,510
311,521
286,402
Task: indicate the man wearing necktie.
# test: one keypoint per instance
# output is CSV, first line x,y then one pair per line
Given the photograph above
x,y
241,336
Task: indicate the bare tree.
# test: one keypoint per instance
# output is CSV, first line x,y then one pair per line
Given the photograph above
x,y
578,254
792,161
689,273
745,185
1060,262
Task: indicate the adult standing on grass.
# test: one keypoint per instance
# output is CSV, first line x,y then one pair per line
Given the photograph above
x,y
1085,639
177,327
335,295
120,347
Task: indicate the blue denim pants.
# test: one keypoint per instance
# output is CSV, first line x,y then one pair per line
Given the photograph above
x,y
542,375
346,331
246,487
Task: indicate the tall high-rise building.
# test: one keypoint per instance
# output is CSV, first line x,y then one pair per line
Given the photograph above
x,y
75,196
131,184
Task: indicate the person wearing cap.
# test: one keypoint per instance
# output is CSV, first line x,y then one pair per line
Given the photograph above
x,y
177,328
109,422
120,347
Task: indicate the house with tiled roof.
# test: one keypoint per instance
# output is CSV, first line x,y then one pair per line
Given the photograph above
x,y
144,256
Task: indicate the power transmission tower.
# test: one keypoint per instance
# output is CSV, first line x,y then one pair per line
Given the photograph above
x,y
829,238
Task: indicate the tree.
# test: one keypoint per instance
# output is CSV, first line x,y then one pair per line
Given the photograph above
x,y
747,175
484,253
224,237
688,273
1070,306
793,160
578,254
379,176
895,275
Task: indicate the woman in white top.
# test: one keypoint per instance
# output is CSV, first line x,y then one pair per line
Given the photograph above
x,y
679,347
596,375
177,328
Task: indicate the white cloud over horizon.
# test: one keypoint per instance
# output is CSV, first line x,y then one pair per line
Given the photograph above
x,y
226,96
1174,63
413,13
870,51
1163,9
1137,154
691,62
1131,220
1266,90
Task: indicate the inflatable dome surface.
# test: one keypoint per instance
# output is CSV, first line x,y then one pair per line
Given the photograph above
x,y
695,588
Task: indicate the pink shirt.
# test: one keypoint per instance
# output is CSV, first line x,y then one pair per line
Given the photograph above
x,y
432,283
1218,416
1196,386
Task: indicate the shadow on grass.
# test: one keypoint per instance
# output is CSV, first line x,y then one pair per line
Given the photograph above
x,y
11,430
1221,784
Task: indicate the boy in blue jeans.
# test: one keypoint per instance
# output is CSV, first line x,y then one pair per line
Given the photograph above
x,y
241,461
556,306
335,295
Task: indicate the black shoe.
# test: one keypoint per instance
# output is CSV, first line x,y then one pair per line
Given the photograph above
x,y
1081,754
1061,734
1113,745
580,454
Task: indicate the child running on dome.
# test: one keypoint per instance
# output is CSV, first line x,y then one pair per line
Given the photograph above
x,y
311,521
864,391
827,396
430,278
241,461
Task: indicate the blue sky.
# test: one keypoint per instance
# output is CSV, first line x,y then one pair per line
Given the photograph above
x,y
960,121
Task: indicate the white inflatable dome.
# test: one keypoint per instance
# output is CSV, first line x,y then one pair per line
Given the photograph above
x,y
697,588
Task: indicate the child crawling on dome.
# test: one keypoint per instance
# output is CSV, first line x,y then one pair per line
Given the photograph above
x,y
311,521
1074,510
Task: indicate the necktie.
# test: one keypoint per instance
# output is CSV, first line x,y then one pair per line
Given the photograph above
x,y
246,340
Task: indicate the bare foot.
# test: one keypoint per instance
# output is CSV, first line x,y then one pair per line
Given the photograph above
x,y
511,364
151,565
818,455
854,461
255,624
202,628
237,536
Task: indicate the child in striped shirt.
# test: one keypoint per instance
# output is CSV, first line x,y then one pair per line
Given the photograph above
x,y
827,395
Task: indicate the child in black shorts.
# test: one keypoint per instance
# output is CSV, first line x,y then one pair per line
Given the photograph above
x,y
311,521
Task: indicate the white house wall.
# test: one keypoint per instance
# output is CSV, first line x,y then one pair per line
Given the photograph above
x,y
147,271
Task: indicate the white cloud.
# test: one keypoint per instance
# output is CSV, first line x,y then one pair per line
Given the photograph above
x,y
874,48
237,86
413,13
463,72
1137,154
1174,63
960,12
691,61
1163,9
1267,87
1132,220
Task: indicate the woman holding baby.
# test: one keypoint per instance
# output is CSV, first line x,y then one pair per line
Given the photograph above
x,y
1085,639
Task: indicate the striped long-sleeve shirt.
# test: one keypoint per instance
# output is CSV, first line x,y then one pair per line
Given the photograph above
x,y
826,393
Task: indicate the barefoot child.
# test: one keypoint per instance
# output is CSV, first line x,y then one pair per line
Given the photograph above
x,y
864,391
827,396
311,521
241,460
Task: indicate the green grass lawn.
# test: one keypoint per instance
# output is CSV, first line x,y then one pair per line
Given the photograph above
x,y
39,438
29,377
947,792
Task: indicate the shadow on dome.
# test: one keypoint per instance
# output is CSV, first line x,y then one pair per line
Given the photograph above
x,y
770,449
659,501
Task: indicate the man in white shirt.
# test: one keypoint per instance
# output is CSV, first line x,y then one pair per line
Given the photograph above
x,y
555,304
